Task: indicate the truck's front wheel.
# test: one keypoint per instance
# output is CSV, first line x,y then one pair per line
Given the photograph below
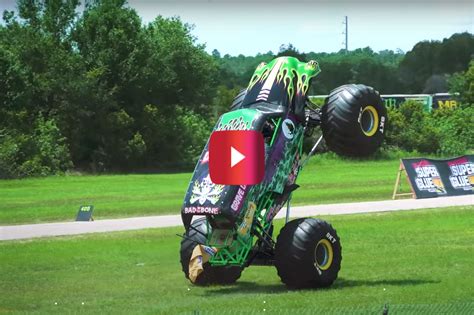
x,y
211,274
308,253
353,120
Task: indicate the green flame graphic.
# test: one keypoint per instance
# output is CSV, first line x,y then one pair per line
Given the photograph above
x,y
290,69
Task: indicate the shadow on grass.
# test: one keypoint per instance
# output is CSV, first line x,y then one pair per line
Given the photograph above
x,y
252,287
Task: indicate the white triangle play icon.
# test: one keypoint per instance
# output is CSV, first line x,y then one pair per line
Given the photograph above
x,y
235,157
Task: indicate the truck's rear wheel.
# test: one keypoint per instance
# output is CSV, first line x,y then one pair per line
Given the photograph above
x,y
308,253
211,274
353,119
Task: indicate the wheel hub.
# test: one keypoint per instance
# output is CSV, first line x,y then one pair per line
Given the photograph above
x,y
323,254
369,121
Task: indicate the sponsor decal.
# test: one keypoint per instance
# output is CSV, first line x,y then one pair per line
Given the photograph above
x,y
248,219
201,209
462,174
330,237
428,178
239,198
234,124
432,178
241,119
288,128
206,190
382,124
209,250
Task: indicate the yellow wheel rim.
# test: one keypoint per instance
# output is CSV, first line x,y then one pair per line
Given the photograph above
x,y
369,121
323,254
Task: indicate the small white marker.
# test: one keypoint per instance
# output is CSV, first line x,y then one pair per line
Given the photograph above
x,y
264,302
82,303
384,289
55,303
189,289
264,309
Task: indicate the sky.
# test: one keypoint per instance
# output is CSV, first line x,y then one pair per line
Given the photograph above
x,y
250,27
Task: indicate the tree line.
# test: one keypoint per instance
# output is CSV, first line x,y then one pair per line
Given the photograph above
x,y
98,90
427,68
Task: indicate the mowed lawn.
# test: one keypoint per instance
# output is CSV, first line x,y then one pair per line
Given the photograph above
x,y
324,180
413,261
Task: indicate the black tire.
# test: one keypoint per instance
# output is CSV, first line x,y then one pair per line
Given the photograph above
x,y
353,119
308,254
238,100
210,274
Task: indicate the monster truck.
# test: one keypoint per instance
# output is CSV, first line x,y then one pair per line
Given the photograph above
x,y
233,227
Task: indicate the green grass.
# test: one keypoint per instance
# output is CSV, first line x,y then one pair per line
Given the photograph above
x,y
324,180
416,262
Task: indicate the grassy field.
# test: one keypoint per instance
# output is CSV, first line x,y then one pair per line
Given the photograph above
x,y
416,262
324,180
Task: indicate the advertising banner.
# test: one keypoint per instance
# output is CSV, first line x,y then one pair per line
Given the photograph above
x,y
444,100
394,101
432,178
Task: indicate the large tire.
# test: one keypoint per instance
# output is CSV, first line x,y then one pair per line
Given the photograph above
x,y
308,254
238,100
353,119
210,274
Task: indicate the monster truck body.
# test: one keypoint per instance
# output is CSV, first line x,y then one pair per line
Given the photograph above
x,y
239,219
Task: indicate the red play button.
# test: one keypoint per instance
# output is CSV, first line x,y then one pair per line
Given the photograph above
x,y
236,157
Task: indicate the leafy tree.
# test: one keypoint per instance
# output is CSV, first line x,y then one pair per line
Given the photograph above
x,y
291,51
183,75
333,74
431,58
223,100
115,55
456,135
370,72
184,72
41,153
38,70
463,84
409,128
216,54
40,54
